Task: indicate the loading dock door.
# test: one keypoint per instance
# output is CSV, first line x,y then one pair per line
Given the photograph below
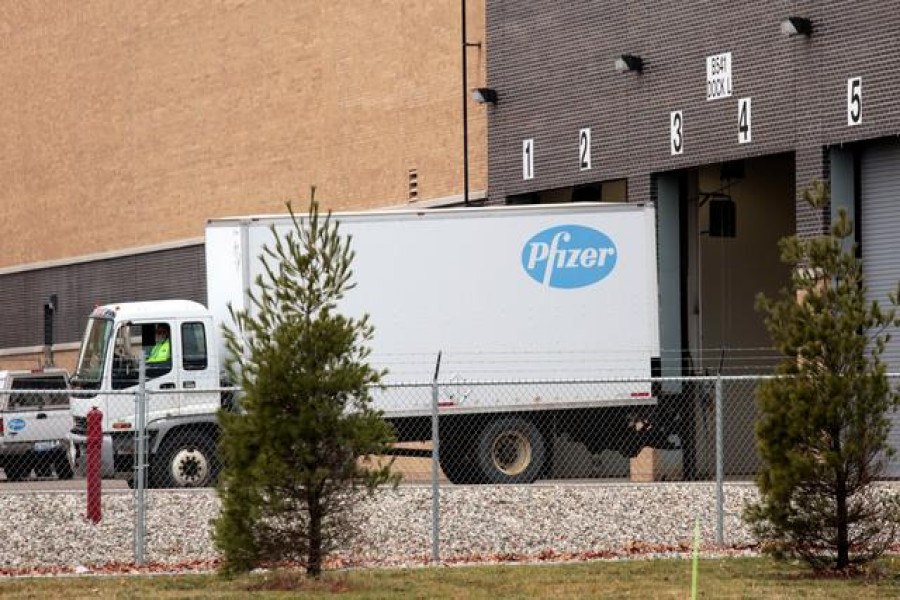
x,y
880,231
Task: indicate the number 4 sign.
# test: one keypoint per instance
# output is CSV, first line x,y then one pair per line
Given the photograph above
x,y
745,134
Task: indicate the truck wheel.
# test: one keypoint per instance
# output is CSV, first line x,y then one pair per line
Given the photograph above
x,y
511,450
43,468
188,462
18,468
63,467
457,465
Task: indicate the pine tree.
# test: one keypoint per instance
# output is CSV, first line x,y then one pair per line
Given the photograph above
x,y
293,456
823,429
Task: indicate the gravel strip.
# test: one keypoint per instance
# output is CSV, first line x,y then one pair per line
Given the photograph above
x,y
48,530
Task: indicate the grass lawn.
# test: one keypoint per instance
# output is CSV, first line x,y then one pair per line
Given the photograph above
x,y
727,578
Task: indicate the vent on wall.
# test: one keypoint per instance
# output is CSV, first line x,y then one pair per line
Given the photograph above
x,y
413,189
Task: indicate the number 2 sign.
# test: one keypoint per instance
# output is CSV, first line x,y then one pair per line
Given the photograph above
x,y
584,149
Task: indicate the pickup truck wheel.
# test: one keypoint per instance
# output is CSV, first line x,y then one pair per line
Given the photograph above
x,y
43,468
511,450
18,468
188,462
63,467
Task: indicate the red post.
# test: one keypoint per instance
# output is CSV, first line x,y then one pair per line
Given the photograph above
x,y
94,451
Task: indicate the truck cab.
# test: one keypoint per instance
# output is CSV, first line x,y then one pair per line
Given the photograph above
x,y
182,388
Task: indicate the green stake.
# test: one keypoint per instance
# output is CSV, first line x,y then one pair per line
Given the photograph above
x,y
696,555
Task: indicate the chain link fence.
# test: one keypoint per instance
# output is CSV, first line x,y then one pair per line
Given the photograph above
x,y
638,459
495,432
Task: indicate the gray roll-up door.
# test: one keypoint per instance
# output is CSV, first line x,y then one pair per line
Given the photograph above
x,y
880,237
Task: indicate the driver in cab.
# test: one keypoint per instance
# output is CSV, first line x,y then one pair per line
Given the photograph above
x,y
161,352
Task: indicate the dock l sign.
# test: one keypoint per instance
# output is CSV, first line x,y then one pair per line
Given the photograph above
x,y
718,76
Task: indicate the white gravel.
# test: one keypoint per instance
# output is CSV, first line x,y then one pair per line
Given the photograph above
x,y
47,530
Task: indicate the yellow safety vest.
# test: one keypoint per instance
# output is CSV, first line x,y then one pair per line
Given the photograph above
x,y
160,352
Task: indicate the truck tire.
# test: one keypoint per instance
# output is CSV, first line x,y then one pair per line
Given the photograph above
x,y
63,466
511,450
18,467
185,460
43,468
456,463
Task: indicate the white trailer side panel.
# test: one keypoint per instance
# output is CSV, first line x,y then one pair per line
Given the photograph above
x,y
507,293
228,258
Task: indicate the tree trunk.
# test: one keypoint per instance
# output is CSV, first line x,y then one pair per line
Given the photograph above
x,y
314,559
843,535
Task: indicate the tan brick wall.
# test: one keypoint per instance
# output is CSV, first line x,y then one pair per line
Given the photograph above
x,y
128,123
34,360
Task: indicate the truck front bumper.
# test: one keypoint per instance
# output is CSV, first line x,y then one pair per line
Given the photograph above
x,y
76,449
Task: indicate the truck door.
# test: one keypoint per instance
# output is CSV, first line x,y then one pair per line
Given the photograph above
x,y
154,341
197,373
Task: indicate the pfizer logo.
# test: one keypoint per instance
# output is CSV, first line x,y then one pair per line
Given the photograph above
x,y
569,256
16,424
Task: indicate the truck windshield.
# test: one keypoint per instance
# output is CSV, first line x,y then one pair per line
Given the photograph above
x,y
89,369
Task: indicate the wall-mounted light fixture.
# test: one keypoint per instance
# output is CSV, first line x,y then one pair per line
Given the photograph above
x,y
796,26
484,95
629,62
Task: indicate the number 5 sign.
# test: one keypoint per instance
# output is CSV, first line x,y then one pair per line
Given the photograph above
x,y
854,101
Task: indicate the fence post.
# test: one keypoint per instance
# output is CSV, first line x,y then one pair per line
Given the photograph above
x,y
94,444
140,463
435,466
720,466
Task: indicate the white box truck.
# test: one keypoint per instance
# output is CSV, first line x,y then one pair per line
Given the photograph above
x,y
506,294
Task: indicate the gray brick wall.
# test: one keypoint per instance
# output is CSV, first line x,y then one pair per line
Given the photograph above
x,y
552,65
163,274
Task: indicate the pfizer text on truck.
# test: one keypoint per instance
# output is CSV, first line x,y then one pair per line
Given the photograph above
x,y
505,294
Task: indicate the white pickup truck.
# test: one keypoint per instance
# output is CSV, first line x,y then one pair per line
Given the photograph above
x,y
33,424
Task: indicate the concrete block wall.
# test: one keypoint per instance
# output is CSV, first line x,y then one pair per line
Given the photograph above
x,y
552,65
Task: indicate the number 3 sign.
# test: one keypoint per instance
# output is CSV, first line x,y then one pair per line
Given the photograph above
x,y
676,132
